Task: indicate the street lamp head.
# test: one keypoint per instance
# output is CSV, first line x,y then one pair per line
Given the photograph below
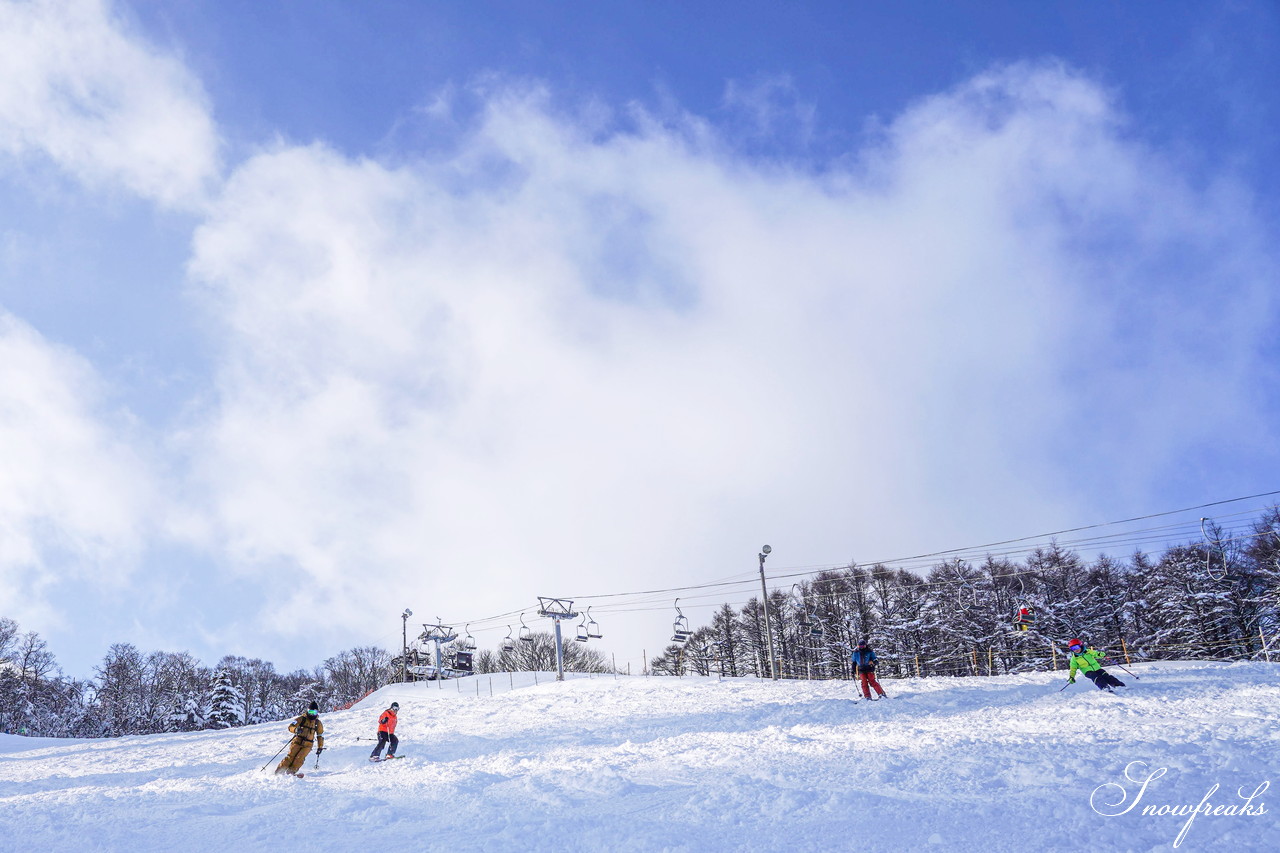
x,y
406,614
766,550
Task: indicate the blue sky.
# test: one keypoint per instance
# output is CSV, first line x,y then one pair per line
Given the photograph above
x,y
310,312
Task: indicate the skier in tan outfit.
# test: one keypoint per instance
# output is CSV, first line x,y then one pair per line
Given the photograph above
x,y
306,729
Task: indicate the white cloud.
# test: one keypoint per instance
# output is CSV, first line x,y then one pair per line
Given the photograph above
x,y
74,495
78,88
566,358
771,105
565,361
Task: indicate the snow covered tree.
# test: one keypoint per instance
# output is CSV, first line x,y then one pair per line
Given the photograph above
x,y
307,688
227,701
119,700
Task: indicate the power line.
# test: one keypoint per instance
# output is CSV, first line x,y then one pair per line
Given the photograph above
x,y
1141,536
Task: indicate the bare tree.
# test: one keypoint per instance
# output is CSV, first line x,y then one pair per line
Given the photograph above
x,y
355,673
539,654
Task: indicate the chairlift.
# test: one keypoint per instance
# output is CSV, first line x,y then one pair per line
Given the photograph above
x,y
680,627
799,603
525,633
1216,569
468,642
582,631
508,643
593,627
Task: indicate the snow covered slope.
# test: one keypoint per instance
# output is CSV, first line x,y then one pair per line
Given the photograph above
x,y
690,764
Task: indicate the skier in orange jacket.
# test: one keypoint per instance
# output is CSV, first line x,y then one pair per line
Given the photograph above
x,y
386,733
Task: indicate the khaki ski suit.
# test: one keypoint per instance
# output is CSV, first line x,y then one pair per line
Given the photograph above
x,y
306,728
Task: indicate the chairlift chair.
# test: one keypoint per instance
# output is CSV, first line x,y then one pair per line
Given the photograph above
x,y
802,609
582,631
593,627
508,643
812,622
526,633
680,627
468,642
1215,569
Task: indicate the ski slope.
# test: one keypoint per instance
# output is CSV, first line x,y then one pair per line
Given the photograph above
x,y
692,764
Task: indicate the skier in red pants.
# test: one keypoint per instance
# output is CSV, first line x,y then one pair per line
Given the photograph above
x,y
864,663
387,733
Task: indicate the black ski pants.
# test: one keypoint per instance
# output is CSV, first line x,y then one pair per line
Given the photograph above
x,y
1103,679
383,739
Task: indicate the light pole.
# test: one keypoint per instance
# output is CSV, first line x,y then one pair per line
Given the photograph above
x,y
404,644
764,596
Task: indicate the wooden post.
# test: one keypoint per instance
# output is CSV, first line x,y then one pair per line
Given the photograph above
x,y
917,665
1054,649
1265,650
975,661
1125,649
991,661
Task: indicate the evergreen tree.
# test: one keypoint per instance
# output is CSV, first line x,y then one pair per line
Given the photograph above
x,y
227,701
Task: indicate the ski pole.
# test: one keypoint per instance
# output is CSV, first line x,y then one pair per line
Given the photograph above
x,y
1117,663
273,758
1064,687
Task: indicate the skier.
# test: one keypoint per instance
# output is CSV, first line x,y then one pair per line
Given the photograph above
x,y
386,733
1090,663
1025,617
306,729
864,663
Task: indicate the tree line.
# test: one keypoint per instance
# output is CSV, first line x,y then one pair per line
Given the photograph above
x,y
136,693
1216,598
145,693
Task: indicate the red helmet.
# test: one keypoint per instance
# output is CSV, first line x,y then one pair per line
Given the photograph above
x,y
1073,644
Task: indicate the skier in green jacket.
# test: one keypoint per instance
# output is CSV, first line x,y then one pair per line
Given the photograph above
x,y
1089,661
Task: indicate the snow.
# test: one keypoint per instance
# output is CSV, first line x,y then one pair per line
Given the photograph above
x,y
692,764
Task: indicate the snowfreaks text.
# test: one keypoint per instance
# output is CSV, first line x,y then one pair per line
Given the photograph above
x,y
1133,772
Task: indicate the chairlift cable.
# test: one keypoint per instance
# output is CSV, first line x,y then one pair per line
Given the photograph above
x,y
1125,537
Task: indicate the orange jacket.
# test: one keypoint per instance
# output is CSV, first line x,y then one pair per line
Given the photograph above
x,y
387,722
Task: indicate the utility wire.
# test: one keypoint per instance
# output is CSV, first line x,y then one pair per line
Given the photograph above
x,y
1141,536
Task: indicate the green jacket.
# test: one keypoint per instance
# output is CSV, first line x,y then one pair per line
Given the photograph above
x,y
1086,661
